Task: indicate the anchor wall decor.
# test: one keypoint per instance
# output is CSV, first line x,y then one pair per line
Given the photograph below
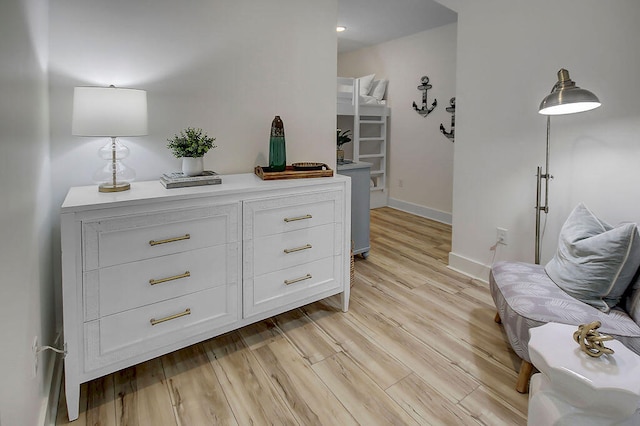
x,y
424,111
452,110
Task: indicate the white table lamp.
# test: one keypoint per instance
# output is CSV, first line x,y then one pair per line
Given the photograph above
x,y
110,112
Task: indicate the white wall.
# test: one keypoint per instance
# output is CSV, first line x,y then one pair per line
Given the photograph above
x,y
227,67
26,214
419,154
508,56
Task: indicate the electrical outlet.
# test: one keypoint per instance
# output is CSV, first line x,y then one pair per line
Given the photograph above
x,y
34,350
400,183
501,236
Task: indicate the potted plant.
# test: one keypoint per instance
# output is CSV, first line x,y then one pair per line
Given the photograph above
x,y
342,138
191,145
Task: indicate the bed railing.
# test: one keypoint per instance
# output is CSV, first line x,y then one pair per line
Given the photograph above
x,y
346,88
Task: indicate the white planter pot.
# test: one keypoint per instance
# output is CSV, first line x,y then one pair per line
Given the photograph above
x,y
192,166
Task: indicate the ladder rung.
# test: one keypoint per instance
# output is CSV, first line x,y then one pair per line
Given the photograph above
x,y
372,156
372,139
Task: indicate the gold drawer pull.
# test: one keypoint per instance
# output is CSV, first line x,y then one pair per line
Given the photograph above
x,y
293,250
164,280
154,321
296,280
169,240
293,219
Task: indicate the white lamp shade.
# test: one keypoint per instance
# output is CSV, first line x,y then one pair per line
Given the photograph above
x,y
109,111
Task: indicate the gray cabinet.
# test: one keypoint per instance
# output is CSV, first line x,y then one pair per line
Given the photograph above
x,y
360,174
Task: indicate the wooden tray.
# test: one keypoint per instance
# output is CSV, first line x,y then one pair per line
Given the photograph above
x,y
289,173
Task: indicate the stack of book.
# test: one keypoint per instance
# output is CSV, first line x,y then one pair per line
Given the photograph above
x,y
180,180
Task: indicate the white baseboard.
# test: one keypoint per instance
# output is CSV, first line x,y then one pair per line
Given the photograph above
x,y
437,215
469,267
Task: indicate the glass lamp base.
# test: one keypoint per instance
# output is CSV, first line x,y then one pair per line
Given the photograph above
x,y
117,187
115,175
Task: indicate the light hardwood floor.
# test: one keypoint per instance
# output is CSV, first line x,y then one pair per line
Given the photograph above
x,y
418,346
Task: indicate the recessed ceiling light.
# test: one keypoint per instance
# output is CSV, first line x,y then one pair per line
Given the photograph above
x,y
340,28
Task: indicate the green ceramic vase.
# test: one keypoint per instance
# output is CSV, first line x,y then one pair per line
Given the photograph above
x,y
277,149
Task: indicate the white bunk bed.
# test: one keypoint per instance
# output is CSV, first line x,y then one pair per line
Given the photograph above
x,y
370,115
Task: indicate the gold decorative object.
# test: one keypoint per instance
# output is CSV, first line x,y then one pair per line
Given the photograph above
x,y
590,341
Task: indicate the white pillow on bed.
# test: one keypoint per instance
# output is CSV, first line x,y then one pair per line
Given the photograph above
x,y
370,100
365,84
378,87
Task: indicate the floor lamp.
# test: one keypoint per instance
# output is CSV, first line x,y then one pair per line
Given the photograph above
x,y
565,98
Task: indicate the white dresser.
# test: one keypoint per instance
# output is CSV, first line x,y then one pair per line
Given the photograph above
x,y
152,270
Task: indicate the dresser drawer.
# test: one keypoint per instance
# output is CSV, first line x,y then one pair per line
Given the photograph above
x,y
121,287
283,251
270,291
114,241
275,216
124,335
